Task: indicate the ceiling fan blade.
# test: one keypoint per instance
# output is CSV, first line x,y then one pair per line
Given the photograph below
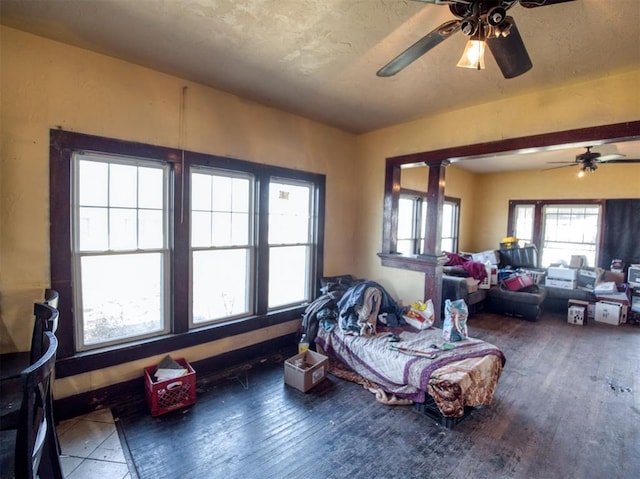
x,y
419,48
540,3
630,160
563,166
609,158
510,52
563,162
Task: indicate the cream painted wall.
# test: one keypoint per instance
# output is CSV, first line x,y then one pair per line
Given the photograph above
x,y
611,99
46,84
609,181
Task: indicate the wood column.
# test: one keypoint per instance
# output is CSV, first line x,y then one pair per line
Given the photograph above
x,y
433,234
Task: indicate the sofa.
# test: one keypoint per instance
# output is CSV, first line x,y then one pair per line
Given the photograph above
x,y
527,304
455,285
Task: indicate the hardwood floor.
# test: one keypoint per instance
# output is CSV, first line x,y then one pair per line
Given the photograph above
x,y
567,406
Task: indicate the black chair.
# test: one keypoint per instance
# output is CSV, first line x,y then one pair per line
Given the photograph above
x,y
12,363
46,320
35,453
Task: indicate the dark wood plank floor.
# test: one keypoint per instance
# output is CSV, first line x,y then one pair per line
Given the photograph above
x,y
567,406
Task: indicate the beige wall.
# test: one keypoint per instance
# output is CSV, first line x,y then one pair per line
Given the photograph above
x,y
610,181
611,99
45,84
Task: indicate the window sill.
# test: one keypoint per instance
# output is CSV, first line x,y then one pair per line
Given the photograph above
x,y
112,356
421,263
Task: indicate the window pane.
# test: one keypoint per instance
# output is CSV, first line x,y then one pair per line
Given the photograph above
x,y
200,192
93,229
221,229
570,230
200,228
93,183
122,229
123,185
523,221
289,213
288,275
239,229
405,218
221,193
220,284
150,188
447,221
405,246
226,201
150,229
122,296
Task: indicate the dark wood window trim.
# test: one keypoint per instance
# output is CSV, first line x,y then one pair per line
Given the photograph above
x,y
537,217
62,145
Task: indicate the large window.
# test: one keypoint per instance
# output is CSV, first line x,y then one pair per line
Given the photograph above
x,y
154,249
222,244
120,249
291,238
412,223
560,229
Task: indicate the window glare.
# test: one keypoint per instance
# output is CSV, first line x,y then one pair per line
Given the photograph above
x,y
218,295
93,183
121,296
570,230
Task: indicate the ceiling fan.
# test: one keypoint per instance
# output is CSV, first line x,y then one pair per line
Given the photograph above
x,y
485,23
589,160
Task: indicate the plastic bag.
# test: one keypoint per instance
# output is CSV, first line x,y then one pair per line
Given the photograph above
x,y
420,315
454,327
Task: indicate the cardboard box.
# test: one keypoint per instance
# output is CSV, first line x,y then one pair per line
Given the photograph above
x,y
606,287
590,308
633,275
305,370
560,283
577,315
559,272
609,313
578,261
472,285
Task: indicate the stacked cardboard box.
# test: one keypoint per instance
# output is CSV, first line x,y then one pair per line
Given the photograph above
x,y
561,277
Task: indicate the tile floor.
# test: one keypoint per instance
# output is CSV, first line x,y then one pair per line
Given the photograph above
x,y
91,448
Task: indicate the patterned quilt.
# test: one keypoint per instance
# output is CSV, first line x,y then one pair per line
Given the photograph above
x,y
464,373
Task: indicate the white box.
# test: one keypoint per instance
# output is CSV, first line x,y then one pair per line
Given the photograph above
x,y
483,257
589,307
633,275
609,313
560,283
577,315
486,282
558,272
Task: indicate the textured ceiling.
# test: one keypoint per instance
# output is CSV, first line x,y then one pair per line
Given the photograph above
x,y
318,58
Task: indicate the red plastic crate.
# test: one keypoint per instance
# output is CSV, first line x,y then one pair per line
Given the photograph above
x,y
171,394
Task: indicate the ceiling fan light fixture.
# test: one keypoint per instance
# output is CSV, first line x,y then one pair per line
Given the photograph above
x,y
473,55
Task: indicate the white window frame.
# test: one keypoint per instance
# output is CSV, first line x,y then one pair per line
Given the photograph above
x,y
310,244
77,254
249,247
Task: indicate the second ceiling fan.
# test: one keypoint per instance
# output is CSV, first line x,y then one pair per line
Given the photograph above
x,y
484,22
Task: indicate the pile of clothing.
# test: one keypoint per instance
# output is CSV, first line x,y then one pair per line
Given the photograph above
x,y
353,305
